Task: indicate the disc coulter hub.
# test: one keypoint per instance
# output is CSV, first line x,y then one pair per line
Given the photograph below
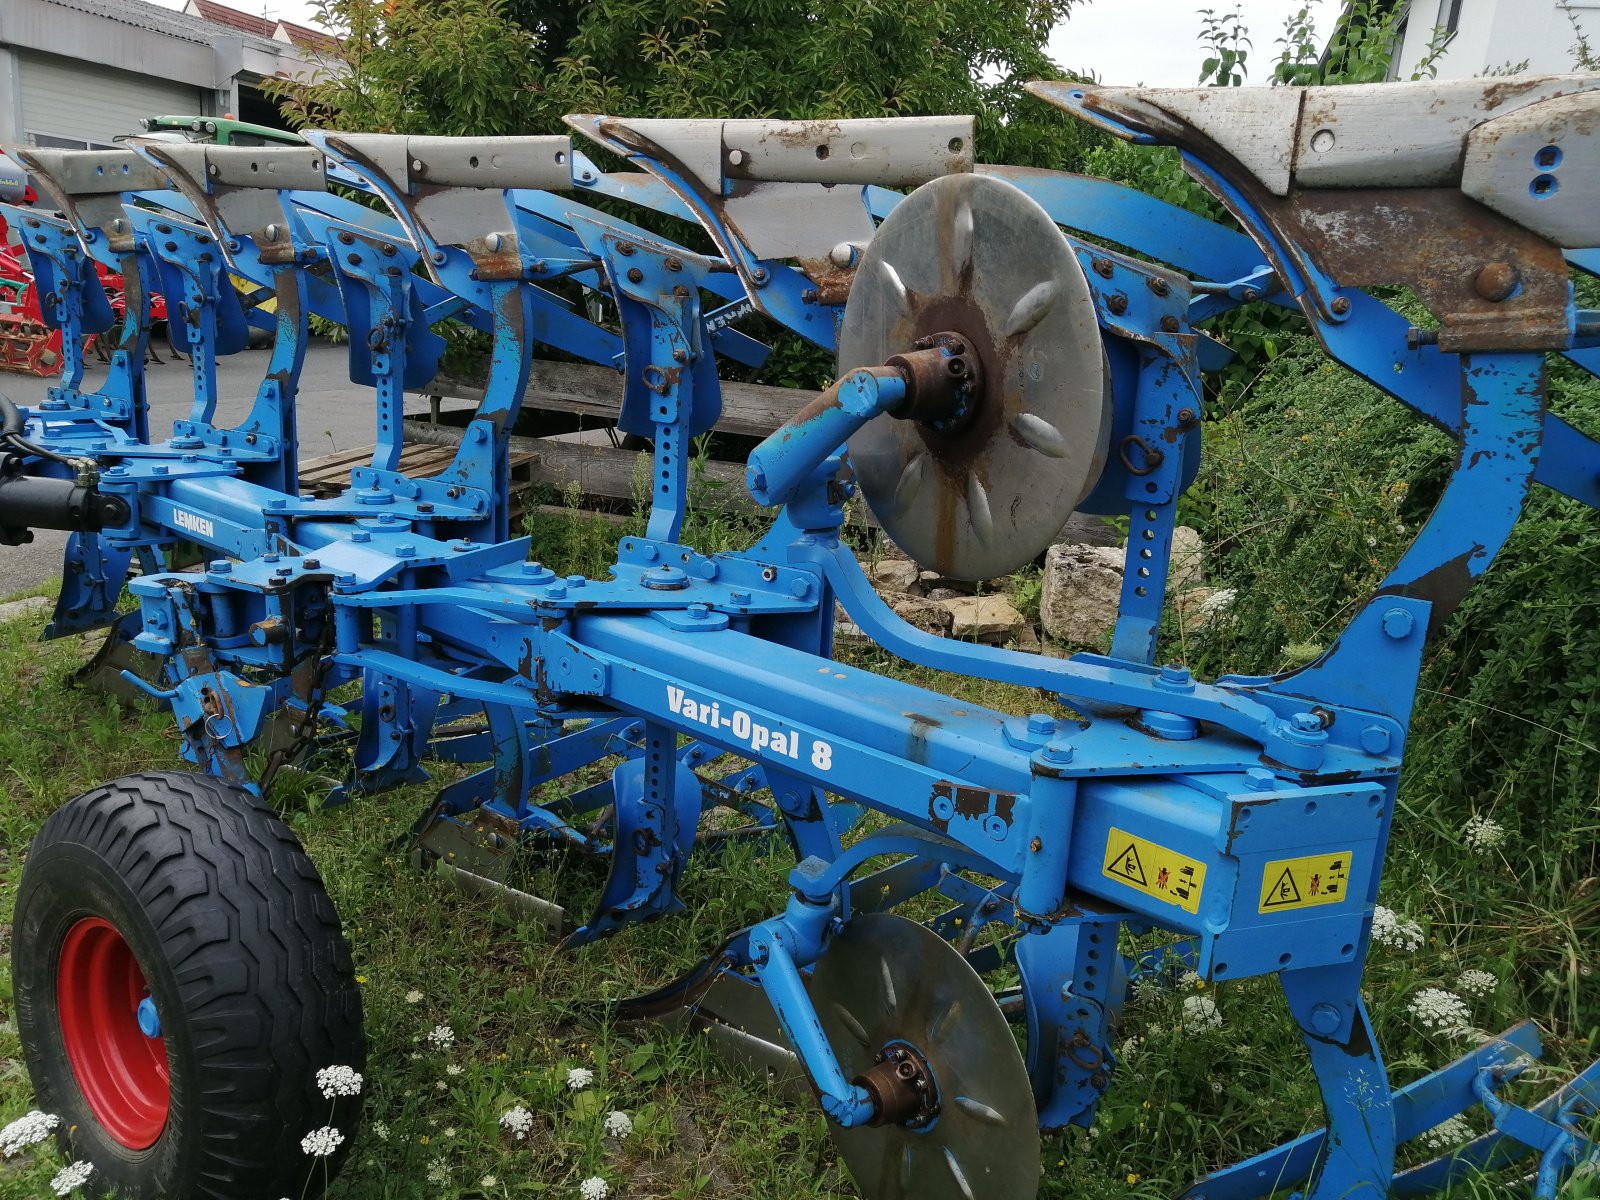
x,y
902,1087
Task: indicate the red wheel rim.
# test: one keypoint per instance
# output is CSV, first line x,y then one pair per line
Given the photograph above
x,y
122,1073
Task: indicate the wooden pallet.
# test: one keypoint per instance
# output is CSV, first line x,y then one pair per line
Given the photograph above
x,y
329,475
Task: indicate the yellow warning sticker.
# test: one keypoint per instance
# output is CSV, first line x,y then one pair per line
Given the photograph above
x,y
1154,870
1305,882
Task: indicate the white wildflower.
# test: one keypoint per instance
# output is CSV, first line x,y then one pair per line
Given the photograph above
x,y
1392,930
1128,1048
27,1130
338,1081
380,1130
453,1069
1477,983
413,997
1190,979
320,1143
1483,834
618,1124
518,1120
594,1188
442,1037
1200,1012
1220,601
438,1172
440,1085
1216,1087
1438,1009
579,1078
1448,1134
487,1182
71,1178
449,1131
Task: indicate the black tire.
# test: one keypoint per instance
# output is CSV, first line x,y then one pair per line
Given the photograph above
x,y
239,948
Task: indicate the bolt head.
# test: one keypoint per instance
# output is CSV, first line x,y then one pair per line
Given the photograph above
x,y
1306,722
405,550
842,255
1041,724
1059,751
1398,623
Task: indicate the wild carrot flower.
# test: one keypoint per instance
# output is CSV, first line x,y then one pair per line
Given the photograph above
x,y
1483,834
1477,983
320,1143
1200,1012
71,1178
518,1120
339,1081
579,1078
1392,930
27,1130
618,1124
1438,1009
1447,1134
413,997
594,1188
442,1037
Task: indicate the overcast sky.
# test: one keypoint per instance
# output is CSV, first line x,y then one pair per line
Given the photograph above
x,y
1123,41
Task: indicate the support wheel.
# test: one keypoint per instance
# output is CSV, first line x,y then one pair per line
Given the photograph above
x,y
180,977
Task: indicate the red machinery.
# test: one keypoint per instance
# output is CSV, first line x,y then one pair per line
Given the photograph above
x,y
28,343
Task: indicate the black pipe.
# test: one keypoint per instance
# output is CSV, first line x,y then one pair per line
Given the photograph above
x,y
29,502
11,422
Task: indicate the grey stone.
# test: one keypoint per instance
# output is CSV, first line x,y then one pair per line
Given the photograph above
x,y
893,574
985,617
927,615
1188,560
32,606
1082,585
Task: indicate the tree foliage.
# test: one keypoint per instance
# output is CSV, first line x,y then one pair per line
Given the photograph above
x,y
517,66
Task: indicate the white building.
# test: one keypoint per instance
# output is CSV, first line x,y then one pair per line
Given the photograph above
x,y
77,73
1498,36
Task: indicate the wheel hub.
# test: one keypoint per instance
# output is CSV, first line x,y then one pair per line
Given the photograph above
x,y
105,1006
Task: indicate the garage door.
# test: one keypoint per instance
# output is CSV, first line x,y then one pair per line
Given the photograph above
x,y
65,102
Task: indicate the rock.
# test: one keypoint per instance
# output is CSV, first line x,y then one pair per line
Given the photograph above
x,y
32,606
1188,560
845,631
927,615
1028,640
928,578
893,574
944,593
1082,585
985,617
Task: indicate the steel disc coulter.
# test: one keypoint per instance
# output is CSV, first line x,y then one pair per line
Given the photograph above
x,y
980,494
912,1022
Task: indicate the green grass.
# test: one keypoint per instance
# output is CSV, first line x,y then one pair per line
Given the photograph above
x,y
1184,1100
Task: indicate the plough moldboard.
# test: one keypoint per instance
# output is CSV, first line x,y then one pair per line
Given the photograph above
x,y
1000,367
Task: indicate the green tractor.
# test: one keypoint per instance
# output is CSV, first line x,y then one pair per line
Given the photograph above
x,y
224,131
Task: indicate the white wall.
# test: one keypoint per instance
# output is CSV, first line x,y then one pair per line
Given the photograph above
x,y
1492,34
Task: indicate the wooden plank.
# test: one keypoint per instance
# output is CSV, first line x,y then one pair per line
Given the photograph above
x,y
599,470
749,408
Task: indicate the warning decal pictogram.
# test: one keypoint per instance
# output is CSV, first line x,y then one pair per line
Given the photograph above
x,y
1153,869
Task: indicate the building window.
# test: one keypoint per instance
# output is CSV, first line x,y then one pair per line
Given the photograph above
x,y
52,142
